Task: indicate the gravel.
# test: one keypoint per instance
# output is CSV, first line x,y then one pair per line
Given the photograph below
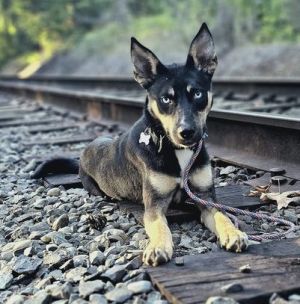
x,y
88,288
119,295
139,287
220,300
5,280
63,246
26,265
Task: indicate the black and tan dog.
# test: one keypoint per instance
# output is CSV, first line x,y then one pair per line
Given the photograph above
x,y
146,163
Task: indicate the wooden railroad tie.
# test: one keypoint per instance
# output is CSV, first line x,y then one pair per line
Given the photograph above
x,y
274,267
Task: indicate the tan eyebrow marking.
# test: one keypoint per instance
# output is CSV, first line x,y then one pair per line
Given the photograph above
x,y
188,88
171,91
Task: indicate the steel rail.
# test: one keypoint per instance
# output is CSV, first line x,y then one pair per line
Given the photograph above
x,y
284,86
248,139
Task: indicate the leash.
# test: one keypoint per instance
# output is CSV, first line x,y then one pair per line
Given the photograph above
x,y
230,210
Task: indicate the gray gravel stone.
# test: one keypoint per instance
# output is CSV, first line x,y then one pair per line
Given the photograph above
x,y
30,166
40,297
90,287
60,291
79,301
76,274
51,247
6,256
220,300
55,237
5,280
26,265
96,258
61,222
114,274
16,246
119,295
294,297
97,299
140,287
54,192
60,302
233,287
227,170
55,258
40,203
135,263
15,299
245,268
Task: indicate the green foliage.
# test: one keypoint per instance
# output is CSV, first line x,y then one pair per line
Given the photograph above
x,y
33,30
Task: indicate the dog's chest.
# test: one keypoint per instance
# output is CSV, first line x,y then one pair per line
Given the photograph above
x,y
183,156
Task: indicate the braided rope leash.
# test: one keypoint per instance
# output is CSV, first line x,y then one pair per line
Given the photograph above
x,y
230,210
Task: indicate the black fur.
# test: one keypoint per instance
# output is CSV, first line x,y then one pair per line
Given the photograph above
x,y
146,163
57,165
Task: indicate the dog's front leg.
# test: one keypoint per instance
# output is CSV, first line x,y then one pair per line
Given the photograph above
x,y
160,247
218,222
157,195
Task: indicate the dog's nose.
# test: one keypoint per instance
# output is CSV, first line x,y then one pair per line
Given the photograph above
x,y
187,133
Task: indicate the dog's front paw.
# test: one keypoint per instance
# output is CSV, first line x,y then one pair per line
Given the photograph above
x,y
233,239
155,255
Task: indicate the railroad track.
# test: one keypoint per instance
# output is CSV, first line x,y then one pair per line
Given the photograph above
x,y
43,117
252,138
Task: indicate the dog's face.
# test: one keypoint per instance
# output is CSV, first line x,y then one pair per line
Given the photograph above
x,y
179,97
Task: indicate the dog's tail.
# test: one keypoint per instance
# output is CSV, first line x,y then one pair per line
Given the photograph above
x,y
57,165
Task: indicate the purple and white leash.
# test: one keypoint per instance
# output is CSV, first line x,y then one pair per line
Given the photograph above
x,y
230,210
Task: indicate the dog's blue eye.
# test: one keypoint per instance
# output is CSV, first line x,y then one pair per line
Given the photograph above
x,y
165,99
198,94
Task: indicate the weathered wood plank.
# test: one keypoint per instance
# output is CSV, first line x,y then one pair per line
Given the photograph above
x,y
25,122
265,181
15,114
62,140
52,128
236,196
275,268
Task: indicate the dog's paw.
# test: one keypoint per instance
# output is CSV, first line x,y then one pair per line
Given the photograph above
x,y
233,239
155,255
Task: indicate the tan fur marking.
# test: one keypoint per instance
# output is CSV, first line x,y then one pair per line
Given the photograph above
x,y
209,96
202,178
162,183
171,91
168,121
160,248
229,236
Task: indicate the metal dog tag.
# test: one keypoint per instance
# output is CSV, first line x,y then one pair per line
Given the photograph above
x,y
144,138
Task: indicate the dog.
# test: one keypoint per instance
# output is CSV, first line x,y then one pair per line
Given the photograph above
x,y
145,164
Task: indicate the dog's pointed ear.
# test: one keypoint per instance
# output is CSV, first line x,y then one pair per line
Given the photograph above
x,y
202,51
146,65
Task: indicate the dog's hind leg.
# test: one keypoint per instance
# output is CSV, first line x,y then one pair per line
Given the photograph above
x,y
89,183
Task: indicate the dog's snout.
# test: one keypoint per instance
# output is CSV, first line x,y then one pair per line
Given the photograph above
x,y
187,133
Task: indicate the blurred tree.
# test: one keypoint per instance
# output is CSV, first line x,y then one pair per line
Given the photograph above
x,y
36,29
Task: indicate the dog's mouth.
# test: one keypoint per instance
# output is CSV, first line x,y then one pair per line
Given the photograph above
x,y
187,143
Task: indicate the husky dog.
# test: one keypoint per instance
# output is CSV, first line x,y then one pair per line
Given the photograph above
x,y
146,164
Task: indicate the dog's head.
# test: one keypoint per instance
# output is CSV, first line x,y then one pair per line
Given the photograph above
x,y
179,96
